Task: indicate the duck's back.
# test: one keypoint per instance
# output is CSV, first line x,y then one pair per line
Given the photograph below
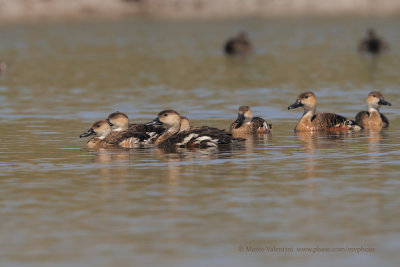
x,y
127,138
199,137
328,120
259,125
153,132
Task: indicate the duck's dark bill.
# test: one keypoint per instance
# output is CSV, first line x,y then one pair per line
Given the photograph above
x,y
88,133
296,104
384,102
156,121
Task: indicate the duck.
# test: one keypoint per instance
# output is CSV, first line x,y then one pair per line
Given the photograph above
x,y
196,137
312,122
130,135
104,136
372,44
246,124
100,129
373,119
238,45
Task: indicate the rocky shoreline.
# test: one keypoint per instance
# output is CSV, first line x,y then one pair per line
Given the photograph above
x,y
17,10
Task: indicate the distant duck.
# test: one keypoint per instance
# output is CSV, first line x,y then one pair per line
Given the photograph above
x,y
196,137
372,44
129,135
311,122
373,119
247,124
238,45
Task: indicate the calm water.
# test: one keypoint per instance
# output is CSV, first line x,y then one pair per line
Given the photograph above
x,y
63,203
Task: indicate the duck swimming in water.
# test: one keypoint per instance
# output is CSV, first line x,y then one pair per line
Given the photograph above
x,y
311,122
247,124
196,137
100,130
238,45
373,119
372,44
130,135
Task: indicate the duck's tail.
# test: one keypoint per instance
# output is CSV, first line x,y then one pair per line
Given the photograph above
x,y
353,126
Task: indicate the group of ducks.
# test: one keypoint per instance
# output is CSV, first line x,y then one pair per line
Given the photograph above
x,y
171,130
241,45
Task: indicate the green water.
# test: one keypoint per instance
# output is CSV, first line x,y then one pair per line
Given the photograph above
x,y
61,203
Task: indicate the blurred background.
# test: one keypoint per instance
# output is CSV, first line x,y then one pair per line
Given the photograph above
x,y
67,64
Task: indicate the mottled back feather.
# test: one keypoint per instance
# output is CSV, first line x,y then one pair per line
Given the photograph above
x,y
193,138
327,120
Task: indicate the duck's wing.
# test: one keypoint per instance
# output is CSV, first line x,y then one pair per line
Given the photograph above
x,y
385,121
361,116
153,132
233,126
328,120
200,137
117,137
259,124
146,128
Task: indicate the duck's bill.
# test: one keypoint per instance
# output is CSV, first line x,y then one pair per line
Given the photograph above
x,y
296,104
88,133
156,121
239,121
384,102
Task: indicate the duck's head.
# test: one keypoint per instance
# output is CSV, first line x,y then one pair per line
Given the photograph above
x,y
375,100
168,119
244,114
100,129
118,121
306,100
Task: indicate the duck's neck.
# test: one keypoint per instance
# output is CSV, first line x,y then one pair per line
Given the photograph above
x,y
373,109
167,134
374,116
248,120
308,114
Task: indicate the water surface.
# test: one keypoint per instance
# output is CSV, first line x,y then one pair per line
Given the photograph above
x,y
63,203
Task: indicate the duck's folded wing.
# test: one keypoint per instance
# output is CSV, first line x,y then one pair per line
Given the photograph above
x,y
361,116
117,137
260,123
200,137
328,120
385,120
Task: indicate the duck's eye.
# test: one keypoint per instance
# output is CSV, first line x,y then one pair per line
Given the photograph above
x,y
374,95
166,114
306,97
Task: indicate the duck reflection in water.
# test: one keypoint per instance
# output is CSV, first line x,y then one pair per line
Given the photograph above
x,y
113,161
313,142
